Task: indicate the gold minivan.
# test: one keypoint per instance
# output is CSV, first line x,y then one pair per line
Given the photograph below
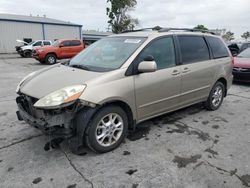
x,y
122,80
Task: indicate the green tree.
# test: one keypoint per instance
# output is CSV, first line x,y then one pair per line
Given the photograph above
x,y
201,27
119,19
246,35
228,36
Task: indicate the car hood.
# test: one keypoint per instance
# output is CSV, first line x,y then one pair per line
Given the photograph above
x,y
242,62
49,48
21,41
26,47
54,78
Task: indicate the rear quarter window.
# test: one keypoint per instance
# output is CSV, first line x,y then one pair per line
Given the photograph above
x,y
218,48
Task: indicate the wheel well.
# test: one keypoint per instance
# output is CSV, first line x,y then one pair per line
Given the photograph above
x,y
224,81
52,54
127,109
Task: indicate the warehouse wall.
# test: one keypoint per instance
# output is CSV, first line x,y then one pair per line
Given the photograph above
x,y
57,32
10,31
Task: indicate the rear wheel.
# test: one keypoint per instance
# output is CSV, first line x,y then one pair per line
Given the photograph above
x,y
50,59
107,129
216,96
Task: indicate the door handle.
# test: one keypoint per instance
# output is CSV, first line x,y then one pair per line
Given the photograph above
x,y
175,72
185,70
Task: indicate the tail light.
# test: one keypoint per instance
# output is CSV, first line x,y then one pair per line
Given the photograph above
x,y
232,58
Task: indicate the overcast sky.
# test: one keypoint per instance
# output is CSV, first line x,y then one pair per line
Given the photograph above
x,y
232,15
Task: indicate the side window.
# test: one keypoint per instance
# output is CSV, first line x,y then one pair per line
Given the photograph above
x,y
66,43
193,49
39,43
75,43
46,43
163,52
218,48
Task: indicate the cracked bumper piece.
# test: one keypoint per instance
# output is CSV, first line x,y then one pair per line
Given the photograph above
x,y
52,122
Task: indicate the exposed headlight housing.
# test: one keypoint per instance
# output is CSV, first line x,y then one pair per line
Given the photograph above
x,y
25,78
61,96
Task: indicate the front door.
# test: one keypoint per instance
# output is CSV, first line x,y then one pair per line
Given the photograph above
x,y
66,49
159,91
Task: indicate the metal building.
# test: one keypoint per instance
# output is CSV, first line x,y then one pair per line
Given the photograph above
x,y
13,27
90,36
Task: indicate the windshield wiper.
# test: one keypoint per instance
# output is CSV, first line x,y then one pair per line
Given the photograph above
x,y
80,66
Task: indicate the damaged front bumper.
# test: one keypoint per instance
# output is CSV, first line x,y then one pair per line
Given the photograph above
x,y
56,123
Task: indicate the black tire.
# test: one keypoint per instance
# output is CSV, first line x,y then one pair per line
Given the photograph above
x,y
42,62
210,104
27,53
91,132
50,59
22,55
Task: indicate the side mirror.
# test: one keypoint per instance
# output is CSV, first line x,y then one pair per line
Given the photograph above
x,y
147,66
61,45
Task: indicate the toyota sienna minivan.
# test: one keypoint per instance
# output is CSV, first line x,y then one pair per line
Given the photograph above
x,y
121,80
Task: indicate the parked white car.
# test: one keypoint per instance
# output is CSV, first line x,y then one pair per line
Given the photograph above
x,y
26,49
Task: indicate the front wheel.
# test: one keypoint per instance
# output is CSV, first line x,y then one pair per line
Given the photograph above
x,y
27,53
107,129
216,96
50,59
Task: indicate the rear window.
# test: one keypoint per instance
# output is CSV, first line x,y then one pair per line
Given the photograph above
x,y
75,43
193,49
218,48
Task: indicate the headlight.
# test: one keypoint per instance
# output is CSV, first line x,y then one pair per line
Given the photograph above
x,y
64,95
26,77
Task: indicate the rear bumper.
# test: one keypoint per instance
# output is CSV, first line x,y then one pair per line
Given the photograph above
x,y
241,76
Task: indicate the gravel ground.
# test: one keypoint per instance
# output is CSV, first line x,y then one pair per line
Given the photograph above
x,y
190,148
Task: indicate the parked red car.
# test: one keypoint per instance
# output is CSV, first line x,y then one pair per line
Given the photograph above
x,y
241,70
61,49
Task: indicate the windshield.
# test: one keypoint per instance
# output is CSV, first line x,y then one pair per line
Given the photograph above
x,y
31,43
56,43
107,54
245,53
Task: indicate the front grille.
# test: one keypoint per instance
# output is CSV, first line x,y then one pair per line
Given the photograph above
x,y
239,69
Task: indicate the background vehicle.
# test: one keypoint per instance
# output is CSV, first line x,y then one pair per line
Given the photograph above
x,y
125,79
23,43
241,70
236,48
61,49
26,51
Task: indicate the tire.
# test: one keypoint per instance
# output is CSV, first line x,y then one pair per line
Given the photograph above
x,y
216,96
22,55
50,59
42,62
112,123
27,53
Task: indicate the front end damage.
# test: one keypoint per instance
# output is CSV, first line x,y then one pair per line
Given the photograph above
x,y
58,124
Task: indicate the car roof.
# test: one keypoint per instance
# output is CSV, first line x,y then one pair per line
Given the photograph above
x,y
157,33
68,39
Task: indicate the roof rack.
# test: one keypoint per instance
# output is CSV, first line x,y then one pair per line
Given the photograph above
x,y
157,28
185,29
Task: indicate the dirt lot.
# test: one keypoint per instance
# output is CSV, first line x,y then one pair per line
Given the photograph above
x,y
190,148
